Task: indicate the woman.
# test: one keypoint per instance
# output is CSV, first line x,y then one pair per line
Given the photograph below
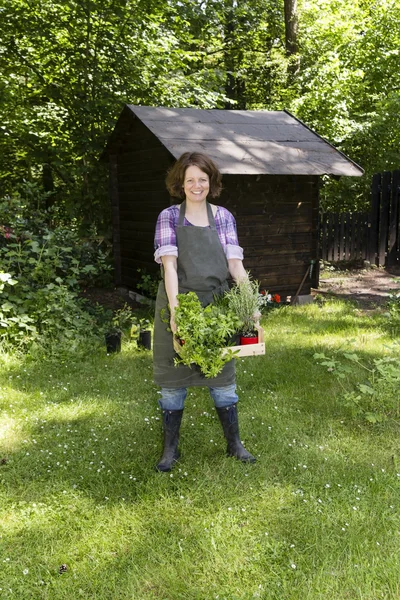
x,y
196,243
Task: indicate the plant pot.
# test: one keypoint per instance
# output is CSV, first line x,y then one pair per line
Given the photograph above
x,y
113,342
245,341
144,340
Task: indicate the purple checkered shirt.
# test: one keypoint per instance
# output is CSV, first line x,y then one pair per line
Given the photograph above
x,y
165,236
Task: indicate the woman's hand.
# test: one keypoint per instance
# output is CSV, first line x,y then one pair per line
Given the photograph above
x,y
171,286
172,323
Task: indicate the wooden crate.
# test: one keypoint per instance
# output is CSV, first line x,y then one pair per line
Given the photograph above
x,y
248,350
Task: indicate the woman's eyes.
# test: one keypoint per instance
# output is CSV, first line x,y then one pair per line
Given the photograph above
x,y
201,180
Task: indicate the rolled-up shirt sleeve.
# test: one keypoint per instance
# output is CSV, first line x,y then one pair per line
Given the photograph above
x,y
231,242
232,251
165,235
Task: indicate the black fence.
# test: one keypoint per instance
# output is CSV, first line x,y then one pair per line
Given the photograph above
x,y
372,236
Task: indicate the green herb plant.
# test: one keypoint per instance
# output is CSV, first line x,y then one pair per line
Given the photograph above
x,y
244,301
204,332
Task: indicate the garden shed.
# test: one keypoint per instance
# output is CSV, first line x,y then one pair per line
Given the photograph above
x,y
271,164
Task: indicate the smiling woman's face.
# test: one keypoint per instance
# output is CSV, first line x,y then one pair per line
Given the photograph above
x,y
196,184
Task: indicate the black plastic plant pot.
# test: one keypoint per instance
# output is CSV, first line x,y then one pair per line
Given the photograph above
x,y
113,342
144,340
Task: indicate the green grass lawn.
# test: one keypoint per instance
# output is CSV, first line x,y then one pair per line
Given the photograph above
x,y
317,517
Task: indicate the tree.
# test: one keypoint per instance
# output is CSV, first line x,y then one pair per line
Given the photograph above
x,y
291,36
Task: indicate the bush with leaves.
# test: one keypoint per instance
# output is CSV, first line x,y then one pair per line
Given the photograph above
x,y
44,263
148,284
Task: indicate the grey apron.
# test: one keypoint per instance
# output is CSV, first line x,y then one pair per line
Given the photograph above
x,y
202,268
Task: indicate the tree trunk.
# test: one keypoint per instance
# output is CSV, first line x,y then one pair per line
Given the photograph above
x,y
291,36
234,85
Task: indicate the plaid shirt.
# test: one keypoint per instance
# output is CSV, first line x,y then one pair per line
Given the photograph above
x,y
165,236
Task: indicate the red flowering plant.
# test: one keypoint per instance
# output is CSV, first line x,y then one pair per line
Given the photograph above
x,y
269,300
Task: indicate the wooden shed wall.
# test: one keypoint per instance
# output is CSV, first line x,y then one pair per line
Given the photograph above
x,y
276,217
138,166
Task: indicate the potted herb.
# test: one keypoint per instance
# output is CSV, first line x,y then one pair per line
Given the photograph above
x,y
121,323
245,301
142,332
203,334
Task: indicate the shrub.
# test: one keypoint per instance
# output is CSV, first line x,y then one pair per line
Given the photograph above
x,y
44,264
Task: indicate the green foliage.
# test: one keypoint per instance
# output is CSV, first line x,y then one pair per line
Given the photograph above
x,y
204,333
66,69
375,398
121,321
394,310
245,301
44,267
148,283
346,89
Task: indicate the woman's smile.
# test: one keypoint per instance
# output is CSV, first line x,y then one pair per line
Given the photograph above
x,y
196,184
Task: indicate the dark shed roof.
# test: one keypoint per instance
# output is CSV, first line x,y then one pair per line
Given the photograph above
x,y
246,142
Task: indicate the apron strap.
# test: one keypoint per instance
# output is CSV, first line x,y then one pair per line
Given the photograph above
x,y
211,219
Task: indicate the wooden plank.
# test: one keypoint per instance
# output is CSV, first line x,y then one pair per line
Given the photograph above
x,y
375,218
364,226
247,212
131,248
282,272
341,235
142,162
275,260
329,237
141,210
134,200
141,236
248,350
353,239
396,186
384,217
393,234
266,229
273,241
135,177
275,220
113,182
357,236
347,235
324,236
269,252
145,226
336,233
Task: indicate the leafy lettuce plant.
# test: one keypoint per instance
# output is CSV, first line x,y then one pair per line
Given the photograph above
x,y
204,333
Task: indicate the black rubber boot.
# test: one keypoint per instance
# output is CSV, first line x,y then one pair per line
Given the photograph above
x,y
171,425
229,421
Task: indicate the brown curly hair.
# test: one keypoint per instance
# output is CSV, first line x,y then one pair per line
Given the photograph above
x,y
176,175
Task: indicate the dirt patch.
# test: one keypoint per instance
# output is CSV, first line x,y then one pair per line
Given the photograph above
x,y
112,298
368,288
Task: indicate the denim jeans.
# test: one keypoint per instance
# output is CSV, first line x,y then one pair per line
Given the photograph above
x,y
174,398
